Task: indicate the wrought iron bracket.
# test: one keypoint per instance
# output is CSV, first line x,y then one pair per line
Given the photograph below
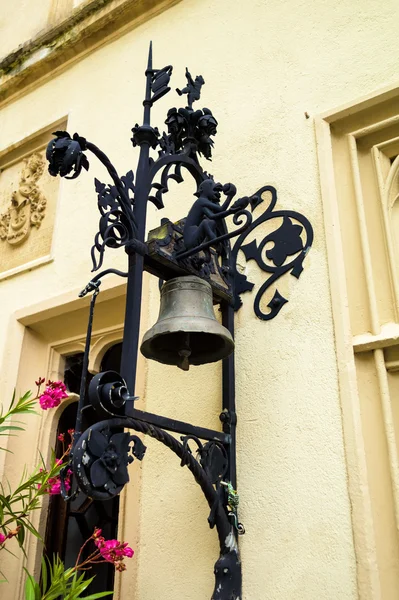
x,y
103,453
198,244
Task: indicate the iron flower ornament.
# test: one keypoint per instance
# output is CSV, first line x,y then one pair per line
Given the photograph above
x,y
66,154
109,469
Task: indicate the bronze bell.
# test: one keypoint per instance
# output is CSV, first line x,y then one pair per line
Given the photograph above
x,y
187,332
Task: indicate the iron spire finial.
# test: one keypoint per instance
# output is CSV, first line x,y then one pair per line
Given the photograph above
x,y
149,65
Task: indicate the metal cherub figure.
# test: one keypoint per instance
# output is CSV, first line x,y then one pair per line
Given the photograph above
x,y
192,89
204,218
200,223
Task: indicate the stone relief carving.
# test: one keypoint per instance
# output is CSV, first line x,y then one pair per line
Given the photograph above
x,y
28,204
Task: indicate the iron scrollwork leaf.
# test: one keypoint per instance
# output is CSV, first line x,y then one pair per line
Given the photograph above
x,y
214,461
291,242
115,226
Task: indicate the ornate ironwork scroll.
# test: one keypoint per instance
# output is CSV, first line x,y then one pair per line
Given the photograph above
x,y
114,226
277,253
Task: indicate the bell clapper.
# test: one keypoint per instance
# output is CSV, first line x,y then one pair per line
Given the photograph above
x,y
185,353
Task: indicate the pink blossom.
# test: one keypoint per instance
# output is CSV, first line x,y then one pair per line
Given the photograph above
x,y
113,551
55,488
129,552
107,549
53,394
2,538
46,401
54,485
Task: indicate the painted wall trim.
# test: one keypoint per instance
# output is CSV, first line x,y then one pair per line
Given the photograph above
x,y
368,101
67,302
43,260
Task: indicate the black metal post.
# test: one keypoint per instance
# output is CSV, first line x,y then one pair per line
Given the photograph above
x,y
228,416
131,329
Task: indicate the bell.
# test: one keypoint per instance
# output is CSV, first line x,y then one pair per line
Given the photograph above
x,y
187,332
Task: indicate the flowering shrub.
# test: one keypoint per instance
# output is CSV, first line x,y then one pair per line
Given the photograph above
x,y
16,507
68,584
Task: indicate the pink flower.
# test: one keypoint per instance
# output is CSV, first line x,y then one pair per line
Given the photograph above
x,y
61,437
55,488
2,538
113,551
46,401
107,549
54,485
53,394
129,552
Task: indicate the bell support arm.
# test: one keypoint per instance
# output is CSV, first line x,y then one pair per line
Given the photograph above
x,y
100,462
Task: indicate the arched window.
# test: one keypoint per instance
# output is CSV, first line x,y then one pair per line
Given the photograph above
x,y
69,524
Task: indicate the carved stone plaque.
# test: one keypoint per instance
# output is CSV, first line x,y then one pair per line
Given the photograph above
x,y
27,204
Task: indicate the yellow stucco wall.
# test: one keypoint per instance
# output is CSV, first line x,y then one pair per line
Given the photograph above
x,y
265,65
29,22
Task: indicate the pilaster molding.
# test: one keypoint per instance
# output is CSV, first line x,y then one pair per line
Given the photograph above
x,y
358,149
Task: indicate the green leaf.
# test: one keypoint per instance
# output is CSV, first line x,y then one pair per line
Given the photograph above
x,y
12,400
21,535
32,589
10,428
29,590
44,574
32,529
99,595
6,501
32,481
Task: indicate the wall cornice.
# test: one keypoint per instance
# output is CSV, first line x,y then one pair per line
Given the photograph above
x,y
90,25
